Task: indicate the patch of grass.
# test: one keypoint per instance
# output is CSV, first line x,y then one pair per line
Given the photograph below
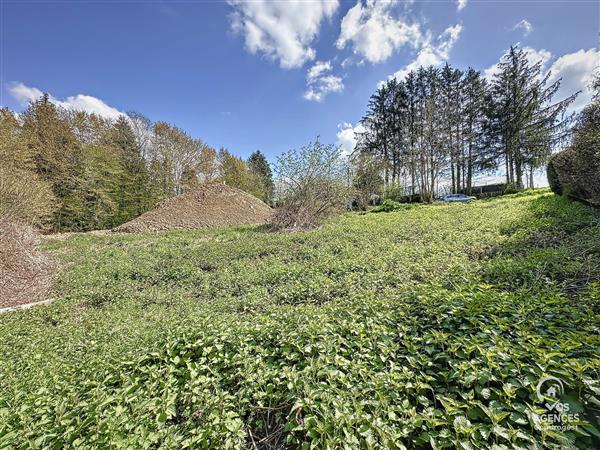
x,y
422,328
390,205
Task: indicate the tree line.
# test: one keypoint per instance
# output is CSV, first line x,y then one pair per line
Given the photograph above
x,y
70,170
454,124
73,171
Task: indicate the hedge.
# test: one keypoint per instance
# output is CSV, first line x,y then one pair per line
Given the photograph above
x,y
575,172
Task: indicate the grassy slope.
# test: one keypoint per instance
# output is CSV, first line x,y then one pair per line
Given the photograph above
x,y
425,327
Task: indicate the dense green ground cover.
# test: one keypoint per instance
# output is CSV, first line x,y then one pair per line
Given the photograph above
x,y
428,327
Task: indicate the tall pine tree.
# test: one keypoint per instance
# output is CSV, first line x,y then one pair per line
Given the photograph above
x,y
258,165
134,191
525,124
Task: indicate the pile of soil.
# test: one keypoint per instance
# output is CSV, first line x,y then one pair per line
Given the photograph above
x,y
25,271
210,205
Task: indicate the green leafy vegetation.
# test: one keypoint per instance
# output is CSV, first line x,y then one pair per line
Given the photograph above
x,y
575,172
390,205
421,328
312,186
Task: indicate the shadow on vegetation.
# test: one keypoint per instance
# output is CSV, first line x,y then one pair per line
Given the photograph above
x,y
555,244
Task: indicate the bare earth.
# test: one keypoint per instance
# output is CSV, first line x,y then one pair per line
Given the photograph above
x,y
26,272
210,205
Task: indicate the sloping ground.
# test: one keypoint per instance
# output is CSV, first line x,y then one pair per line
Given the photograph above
x,y
25,271
208,206
427,328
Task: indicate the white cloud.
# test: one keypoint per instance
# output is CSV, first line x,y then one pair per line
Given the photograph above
x,y
320,82
432,54
460,4
25,94
281,30
346,137
90,104
318,69
525,26
375,30
533,57
347,62
575,69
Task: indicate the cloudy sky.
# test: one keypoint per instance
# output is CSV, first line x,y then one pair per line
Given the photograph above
x,y
270,75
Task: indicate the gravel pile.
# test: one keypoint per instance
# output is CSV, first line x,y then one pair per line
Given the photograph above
x,y
210,205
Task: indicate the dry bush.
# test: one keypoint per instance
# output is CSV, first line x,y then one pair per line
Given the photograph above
x,y
311,186
25,272
309,204
25,202
24,197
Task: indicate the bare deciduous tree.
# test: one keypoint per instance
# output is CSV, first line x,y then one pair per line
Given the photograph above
x,y
311,186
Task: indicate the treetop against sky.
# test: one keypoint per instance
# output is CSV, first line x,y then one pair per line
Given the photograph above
x,y
271,75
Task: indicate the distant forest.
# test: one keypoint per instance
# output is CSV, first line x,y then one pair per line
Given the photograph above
x,y
69,170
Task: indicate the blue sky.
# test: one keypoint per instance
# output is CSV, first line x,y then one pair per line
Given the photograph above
x,y
269,75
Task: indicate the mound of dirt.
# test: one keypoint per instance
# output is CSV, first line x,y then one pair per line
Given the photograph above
x,y
25,271
210,205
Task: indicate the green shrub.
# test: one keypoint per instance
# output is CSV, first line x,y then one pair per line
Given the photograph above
x,y
528,192
553,179
577,168
511,188
579,173
393,192
312,187
389,205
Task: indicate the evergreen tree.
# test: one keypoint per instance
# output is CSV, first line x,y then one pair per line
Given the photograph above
x,y
94,204
24,196
376,137
446,123
134,191
525,124
57,155
258,165
80,171
367,180
473,110
236,173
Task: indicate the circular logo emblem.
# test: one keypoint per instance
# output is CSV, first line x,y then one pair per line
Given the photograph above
x,y
549,390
